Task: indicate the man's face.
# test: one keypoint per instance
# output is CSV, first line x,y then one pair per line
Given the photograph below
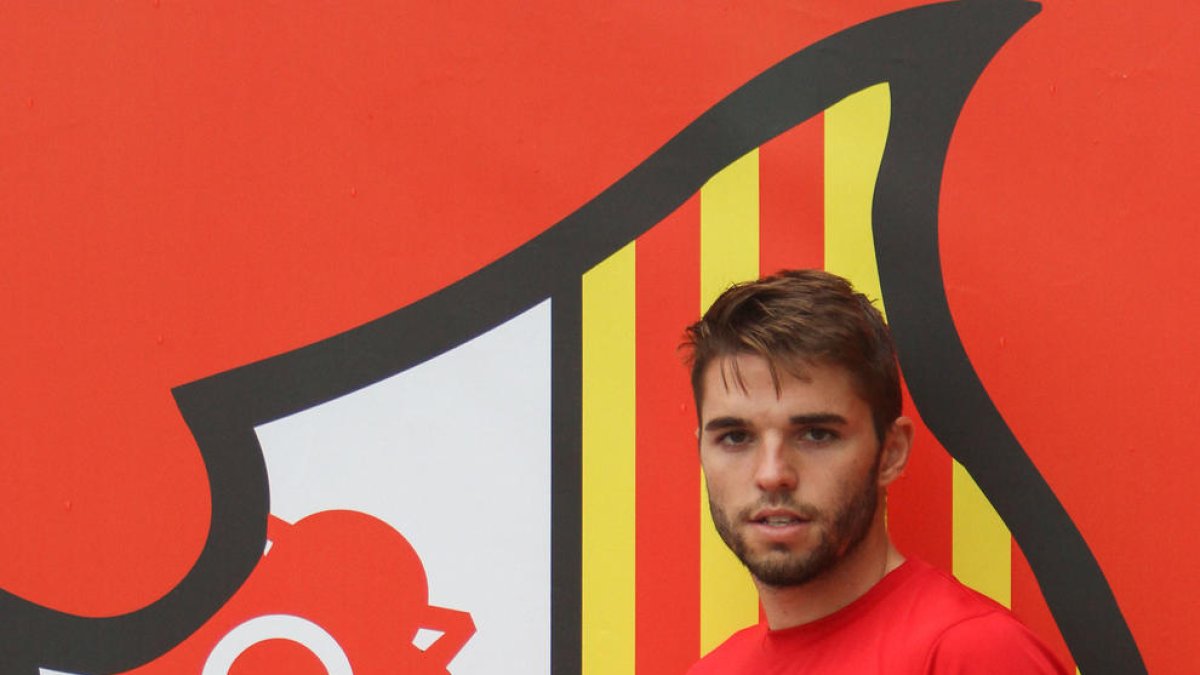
x,y
792,476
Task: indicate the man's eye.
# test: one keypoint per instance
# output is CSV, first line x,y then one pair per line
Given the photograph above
x,y
733,438
818,435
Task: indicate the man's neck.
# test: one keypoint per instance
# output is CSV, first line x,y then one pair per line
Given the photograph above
x,y
834,589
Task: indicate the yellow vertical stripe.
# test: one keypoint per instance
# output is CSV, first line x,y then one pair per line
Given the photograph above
x,y
728,254
609,469
855,133
981,543
729,228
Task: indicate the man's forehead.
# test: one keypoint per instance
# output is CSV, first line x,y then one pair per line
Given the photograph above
x,y
732,372
731,378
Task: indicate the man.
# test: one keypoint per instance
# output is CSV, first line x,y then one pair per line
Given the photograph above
x,y
798,395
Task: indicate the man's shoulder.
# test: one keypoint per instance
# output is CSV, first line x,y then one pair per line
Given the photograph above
x,y
734,653
993,642
943,600
968,632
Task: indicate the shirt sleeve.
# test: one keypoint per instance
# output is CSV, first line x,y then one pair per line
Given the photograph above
x,y
991,644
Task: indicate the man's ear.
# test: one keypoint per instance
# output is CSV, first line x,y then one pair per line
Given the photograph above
x,y
894,455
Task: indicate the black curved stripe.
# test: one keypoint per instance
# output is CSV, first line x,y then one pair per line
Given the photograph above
x,y
952,400
930,55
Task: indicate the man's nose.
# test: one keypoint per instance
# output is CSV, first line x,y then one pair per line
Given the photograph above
x,y
774,471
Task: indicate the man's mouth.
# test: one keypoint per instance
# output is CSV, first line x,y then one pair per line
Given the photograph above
x,y
774,518
778,521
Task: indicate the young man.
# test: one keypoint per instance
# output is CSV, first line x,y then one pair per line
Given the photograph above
x,y
798,394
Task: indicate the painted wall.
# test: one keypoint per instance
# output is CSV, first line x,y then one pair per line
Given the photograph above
x,y
393,292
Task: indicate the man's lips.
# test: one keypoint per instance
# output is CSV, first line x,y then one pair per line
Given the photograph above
x,y
777,518
779,526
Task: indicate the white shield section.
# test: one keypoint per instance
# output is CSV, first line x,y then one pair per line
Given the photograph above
x,y
455,455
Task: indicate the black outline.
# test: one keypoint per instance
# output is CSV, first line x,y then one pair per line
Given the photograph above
x,y
931,56
953,401
566,620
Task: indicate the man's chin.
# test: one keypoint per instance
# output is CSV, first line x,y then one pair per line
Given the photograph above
x,y
782,579
787,569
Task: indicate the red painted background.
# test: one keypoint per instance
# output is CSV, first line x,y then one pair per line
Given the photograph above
x,y
188,187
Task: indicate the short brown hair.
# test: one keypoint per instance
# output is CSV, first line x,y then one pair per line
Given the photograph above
x,y
795,317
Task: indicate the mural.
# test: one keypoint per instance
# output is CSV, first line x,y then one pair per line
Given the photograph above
x,y
344,339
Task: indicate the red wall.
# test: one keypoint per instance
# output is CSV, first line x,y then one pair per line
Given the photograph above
x,y
189,187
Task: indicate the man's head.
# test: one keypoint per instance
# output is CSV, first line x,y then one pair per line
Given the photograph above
x,y
800,317
798,396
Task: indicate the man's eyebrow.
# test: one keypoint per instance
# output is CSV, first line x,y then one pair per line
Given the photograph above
x,y
817,418
718,423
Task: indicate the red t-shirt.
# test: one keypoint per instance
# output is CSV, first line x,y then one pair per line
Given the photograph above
x,y
917,620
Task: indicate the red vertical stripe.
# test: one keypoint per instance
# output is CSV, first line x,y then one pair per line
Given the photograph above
x,y
1030,607
920,503
791,203
668,470
791,199
792,214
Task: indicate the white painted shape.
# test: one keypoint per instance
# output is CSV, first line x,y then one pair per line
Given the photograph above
x,y
277,627
425,638
455,454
